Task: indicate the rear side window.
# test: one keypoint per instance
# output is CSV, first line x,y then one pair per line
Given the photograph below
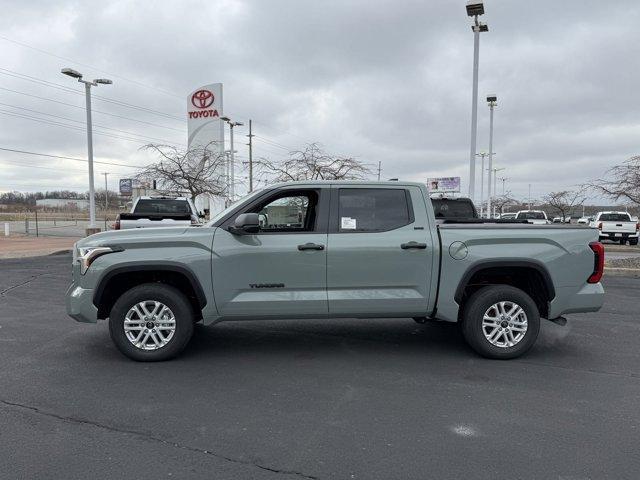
x,y
615,217
172,207
373,209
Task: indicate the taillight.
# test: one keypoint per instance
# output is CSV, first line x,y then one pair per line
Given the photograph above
x,y
116,224
600,226
194,220
637,226
598,262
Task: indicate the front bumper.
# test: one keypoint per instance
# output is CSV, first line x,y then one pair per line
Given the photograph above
x,y
588,298
79,303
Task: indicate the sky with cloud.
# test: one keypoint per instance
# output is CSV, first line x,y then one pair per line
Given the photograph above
x,y
378,80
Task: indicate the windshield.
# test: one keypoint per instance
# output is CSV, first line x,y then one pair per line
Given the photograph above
x,y
158,205
615,217
453,208
531,216
224,212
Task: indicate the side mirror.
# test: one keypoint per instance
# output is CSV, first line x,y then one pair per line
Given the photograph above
x,y
246,224
202,215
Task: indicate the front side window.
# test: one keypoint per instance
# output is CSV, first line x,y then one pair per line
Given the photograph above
x,y
289,212
372,209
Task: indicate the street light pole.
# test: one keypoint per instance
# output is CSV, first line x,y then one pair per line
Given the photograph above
x,y
492,101
474,9
93,228
481,154
250,158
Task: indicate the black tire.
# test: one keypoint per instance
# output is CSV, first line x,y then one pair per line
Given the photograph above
x,y
169,296
622,242
479,303
633,241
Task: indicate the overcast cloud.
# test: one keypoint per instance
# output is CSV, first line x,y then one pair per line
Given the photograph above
x,y
385,81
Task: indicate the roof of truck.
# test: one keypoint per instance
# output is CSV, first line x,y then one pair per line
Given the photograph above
x,y
349,182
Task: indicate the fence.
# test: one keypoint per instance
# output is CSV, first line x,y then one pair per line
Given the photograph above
x,y
59,225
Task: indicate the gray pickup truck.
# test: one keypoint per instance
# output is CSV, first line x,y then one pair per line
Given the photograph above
x,y
335,249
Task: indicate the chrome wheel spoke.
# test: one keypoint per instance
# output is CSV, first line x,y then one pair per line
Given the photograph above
x,y
149,325
504,324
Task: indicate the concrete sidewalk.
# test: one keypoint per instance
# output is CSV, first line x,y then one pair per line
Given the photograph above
x,y
18,246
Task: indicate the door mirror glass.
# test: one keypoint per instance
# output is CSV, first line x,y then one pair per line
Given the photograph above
x,y
246,224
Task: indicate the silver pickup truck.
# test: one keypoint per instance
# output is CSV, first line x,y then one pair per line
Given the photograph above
x,y
335,249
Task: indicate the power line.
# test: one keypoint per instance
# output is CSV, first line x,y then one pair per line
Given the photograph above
x,y
71,127
26,152
22,76
83,122
93,110
86,65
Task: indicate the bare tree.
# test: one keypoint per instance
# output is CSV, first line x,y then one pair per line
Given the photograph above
x,y
621,181
195,171
504,200
564,201
313,163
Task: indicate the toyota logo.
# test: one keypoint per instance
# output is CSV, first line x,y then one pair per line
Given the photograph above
x,y
202,99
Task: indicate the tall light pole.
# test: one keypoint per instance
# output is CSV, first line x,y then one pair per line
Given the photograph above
x,y
482,154
529,196
475,8
93,228
492,101
232,162
251,135
495,172
504,179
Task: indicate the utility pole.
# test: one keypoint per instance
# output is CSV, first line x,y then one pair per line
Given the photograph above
x,y
379,169
250,157
529,196
474,9
93,228
495,172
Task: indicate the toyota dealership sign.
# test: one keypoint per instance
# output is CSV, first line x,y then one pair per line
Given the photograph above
x,y
204,109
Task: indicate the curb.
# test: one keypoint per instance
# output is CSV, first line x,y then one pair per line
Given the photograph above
x,y
622,272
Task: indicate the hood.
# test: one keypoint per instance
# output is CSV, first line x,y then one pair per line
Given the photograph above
x,y
133,235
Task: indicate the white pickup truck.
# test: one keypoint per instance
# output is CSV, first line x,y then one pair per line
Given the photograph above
x,y
149,212
616,226
537,217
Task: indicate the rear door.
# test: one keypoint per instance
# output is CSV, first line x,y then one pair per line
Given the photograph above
x,y
281,271
380,254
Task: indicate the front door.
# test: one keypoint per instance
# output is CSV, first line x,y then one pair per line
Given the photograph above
x,y
281,271
380,252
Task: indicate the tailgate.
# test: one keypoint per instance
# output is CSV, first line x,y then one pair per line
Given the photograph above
x,y
618,227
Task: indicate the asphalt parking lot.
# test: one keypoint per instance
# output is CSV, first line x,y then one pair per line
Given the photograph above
x,y
369,399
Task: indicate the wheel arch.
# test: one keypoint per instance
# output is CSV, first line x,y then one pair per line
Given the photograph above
x,y
529,275
115,281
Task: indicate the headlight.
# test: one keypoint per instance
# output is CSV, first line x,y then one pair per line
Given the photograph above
x,y
86,255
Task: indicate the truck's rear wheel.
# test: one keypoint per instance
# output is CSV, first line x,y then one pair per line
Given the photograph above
x,y
633,241
500,322
151,322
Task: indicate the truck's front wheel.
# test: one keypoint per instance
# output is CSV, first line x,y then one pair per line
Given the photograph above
x,y
500,322
151,322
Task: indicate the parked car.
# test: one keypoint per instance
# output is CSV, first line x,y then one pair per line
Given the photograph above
x,y
159,212
358,249
537,217
584,220
617,226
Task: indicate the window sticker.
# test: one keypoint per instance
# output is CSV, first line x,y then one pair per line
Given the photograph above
x,y
347,223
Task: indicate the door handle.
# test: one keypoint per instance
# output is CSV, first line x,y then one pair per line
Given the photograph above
x,y
310,246
416,245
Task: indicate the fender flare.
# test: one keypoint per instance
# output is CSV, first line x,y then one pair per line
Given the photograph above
x,y
163,266
533,264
